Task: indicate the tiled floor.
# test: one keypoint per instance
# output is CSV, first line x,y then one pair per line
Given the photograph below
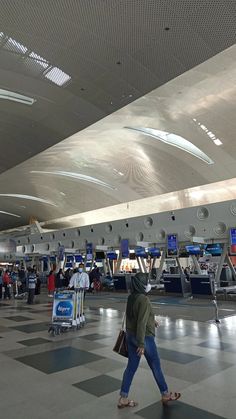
x,y
77,375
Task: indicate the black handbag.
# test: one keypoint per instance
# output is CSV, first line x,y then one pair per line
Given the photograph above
x,y
121,345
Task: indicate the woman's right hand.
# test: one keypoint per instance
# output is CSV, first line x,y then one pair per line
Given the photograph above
x,y
140,351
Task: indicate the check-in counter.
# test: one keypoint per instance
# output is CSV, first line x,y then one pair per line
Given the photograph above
x,y
202,284
122,281
176,284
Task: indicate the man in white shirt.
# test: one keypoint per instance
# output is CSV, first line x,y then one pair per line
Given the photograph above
x,y
80,279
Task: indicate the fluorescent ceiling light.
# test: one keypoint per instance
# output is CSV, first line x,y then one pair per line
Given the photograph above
x,y
57,76
28,197
217,141
13,45
73,175
40,60
16,97
175,141
9,213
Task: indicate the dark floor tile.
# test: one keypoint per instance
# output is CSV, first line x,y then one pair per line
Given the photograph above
x,y
95,336
31,328
177,410
19,318
179,357
88,320
216,344
58,359
34,341
99,386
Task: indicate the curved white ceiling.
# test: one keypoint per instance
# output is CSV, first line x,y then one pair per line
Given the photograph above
x,y
114,53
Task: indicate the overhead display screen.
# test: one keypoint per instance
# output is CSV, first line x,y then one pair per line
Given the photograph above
x,y
172,245
154,252
124,247
89,251
193,249
214,249
232,236
140,252
112,255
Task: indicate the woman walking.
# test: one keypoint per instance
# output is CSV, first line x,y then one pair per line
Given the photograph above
x,y
140,338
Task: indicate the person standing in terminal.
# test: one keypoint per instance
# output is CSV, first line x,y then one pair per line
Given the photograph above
x,y
1,283
32,278
7,284
80,279
140,338
51,283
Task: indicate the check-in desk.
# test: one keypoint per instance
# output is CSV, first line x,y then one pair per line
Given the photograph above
x,y
202,284
176,284
122,281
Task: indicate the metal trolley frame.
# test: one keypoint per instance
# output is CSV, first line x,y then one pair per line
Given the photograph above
x,y
67,311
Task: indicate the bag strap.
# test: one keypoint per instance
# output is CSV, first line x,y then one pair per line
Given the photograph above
x,y
123,324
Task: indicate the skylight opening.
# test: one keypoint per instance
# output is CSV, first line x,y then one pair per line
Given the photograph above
x,y
39,60
217,141
15,46
57,76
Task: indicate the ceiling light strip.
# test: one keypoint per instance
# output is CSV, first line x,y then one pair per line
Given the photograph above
x,y
73,175
175,141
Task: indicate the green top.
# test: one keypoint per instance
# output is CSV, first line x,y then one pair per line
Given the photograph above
x,y
140,318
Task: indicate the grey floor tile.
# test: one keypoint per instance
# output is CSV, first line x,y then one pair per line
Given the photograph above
x,y
100,385
19,318
34,341
32,328
174,356
217,344
95,336
58,359
196,371
177,410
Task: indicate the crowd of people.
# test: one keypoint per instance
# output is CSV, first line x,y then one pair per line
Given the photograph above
x,y
16,281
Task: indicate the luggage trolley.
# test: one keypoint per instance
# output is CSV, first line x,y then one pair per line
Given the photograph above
x,y
67,312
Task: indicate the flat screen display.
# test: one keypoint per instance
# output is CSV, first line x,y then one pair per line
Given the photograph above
x,y
154,252
112,255
78,258
100,255
89,251
232,236
132,256
68,265
214,249
193,249
124,247
70,258
172,245
140,252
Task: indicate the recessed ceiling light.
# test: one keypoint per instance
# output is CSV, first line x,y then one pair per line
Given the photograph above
x,y
16,46
16,97
40,60
57,76
175,141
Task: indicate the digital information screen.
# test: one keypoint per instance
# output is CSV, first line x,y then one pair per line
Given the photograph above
x,y
232,235
154,252
89,251
140,252
172,245
124,247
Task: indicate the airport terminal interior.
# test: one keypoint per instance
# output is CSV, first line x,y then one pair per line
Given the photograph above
x,y
118,162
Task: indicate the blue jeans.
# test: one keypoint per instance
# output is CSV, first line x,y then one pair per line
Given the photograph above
x,y
153,361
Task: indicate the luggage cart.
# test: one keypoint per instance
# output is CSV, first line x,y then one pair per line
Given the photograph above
x,y
67,312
